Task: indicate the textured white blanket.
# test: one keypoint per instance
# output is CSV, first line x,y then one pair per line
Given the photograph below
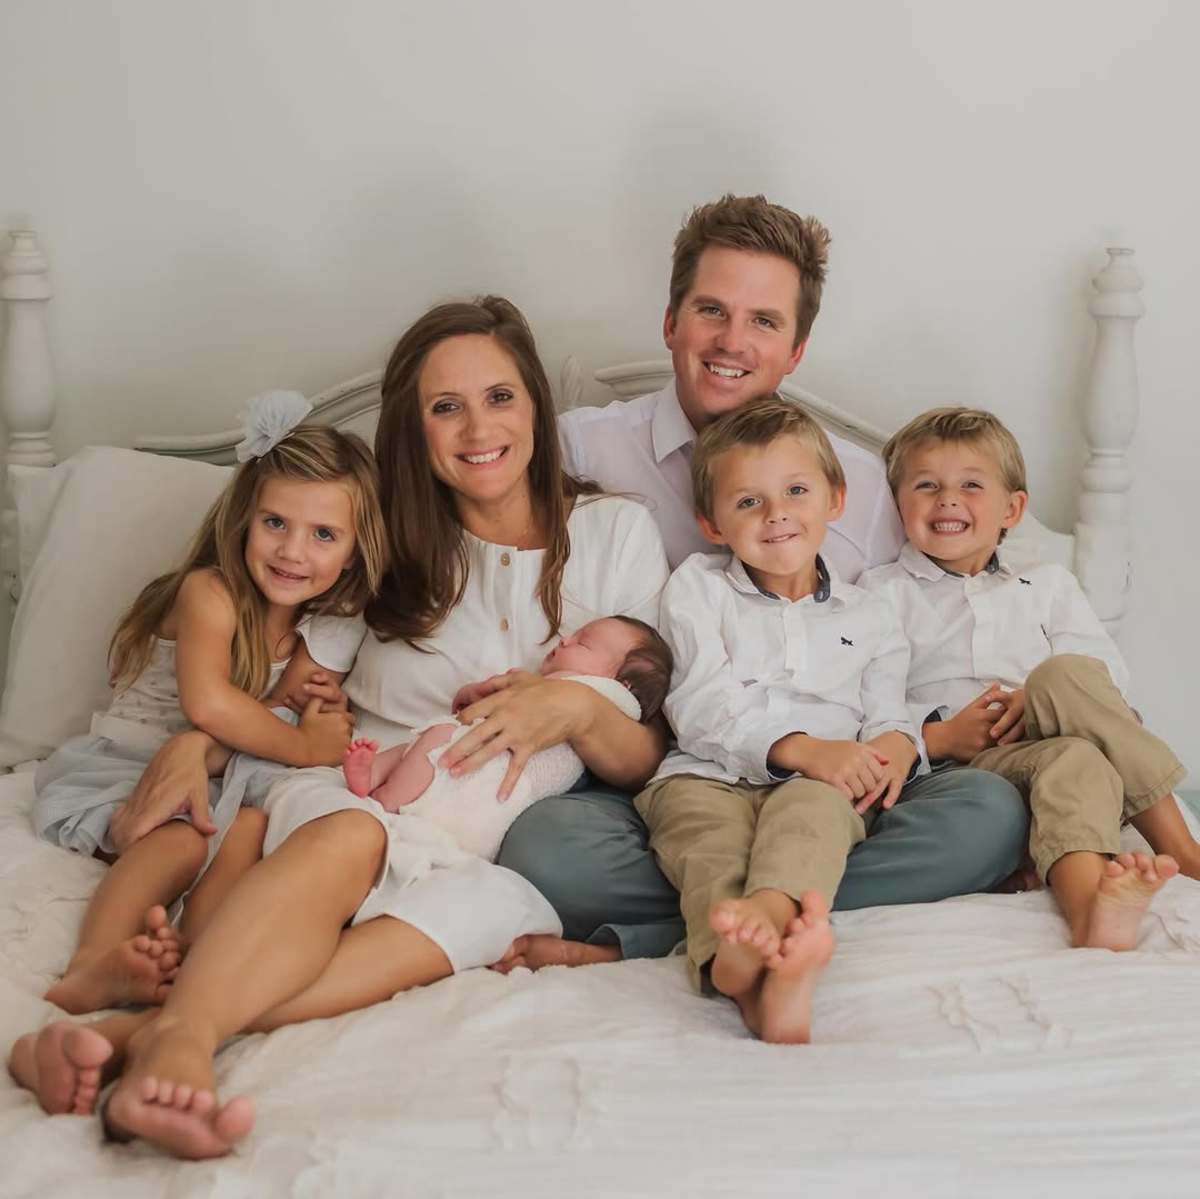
x,y
961,1050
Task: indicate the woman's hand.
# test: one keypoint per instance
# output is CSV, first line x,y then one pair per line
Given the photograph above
x,y
521,714
176,780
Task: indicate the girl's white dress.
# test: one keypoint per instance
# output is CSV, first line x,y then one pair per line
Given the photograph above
x,y
84,781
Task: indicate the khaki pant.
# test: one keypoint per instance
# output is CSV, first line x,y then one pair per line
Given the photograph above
x,y
718,840
1086,765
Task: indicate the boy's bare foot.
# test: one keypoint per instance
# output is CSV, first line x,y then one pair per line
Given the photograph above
x,y
139,970
166,1097
61,1064
535,950
785,1007
1124,894
749,937
356,766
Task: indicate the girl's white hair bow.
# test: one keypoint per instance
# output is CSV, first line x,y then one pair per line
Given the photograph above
x,y
268,419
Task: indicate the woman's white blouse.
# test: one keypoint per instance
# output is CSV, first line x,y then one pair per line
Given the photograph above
x,y
617,567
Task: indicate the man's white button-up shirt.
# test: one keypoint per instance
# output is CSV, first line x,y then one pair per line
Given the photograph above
x,y
643,447
969,631
751,668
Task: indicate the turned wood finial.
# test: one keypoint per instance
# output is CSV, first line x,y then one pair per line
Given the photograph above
x,y
1110,416
27,373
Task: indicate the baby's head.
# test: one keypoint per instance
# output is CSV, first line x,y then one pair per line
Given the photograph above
x,y
959,481
621,648
766,483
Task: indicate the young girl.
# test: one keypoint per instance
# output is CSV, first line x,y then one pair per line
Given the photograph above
x,y
295,541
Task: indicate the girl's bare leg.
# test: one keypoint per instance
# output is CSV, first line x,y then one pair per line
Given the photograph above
x,y
239,851
273,937
1164,827
118,958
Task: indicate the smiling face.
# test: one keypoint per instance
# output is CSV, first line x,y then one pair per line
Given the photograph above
x,y
300,539
732,337
477,415
954,503
770,506
599,648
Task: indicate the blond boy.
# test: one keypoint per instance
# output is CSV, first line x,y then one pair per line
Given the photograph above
x,y
788,704
1012,672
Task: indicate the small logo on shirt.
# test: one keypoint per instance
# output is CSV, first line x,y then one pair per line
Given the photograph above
x,y
847,641
1025,581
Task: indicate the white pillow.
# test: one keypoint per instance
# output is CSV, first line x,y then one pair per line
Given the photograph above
x,y
113,521
35,491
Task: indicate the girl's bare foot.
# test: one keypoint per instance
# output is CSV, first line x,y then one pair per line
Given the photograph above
x,y
139,971
61,1064
535,950
785,1008
166,1096
1125,891
749,936
356,766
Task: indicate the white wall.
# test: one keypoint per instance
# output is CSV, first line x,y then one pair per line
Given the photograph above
x,y
238,195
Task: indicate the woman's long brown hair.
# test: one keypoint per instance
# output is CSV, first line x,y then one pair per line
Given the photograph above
x,y
428,562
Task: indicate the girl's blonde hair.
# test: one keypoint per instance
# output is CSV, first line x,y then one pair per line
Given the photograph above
x,y
310,453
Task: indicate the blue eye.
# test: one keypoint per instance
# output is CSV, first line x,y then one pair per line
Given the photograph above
x,y
273,522
924,485
797,489
747,501
972,483
324,534
766,320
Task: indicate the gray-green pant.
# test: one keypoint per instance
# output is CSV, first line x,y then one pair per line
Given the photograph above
x,y
953,832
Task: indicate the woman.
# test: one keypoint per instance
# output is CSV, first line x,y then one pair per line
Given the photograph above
x,y
494,551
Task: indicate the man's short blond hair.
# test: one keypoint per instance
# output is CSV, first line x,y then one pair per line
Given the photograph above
x,y
758,423
753,223
971,425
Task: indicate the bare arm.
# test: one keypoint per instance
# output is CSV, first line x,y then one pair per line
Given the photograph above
x,y
525,713
203,662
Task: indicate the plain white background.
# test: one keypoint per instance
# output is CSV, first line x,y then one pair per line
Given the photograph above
x,y
245,195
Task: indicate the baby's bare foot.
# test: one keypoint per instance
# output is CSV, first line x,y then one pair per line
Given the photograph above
x,y
166,1097
748,937
139,970
61,1064
785,1009
1126,889
356,766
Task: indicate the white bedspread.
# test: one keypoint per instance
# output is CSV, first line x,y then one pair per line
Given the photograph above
x,y
961,1050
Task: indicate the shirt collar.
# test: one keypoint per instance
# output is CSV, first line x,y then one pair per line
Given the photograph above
x,y
739,576
670,429
923,567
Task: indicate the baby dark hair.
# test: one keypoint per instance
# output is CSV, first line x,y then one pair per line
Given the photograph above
x,y
647,668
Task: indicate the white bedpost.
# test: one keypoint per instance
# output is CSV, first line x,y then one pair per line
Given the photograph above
x,y
1109,422
26,392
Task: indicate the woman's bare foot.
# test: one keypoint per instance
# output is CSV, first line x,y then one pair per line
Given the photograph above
x,y
356,766
166,1096
1125,891
749,936
62,1065
139,970
785,1006
535,950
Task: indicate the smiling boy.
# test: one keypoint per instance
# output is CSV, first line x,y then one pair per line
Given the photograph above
x,y
787,700
1012,672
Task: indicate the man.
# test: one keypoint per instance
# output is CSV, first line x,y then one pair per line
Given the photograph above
x,y
745,289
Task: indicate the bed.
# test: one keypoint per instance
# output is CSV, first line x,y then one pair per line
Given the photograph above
x,y
960,1048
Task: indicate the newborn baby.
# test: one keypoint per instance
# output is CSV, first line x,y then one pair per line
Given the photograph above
x,y
622,658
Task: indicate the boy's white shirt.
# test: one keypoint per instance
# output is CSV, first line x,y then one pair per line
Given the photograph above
x,y
969,631
751,668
